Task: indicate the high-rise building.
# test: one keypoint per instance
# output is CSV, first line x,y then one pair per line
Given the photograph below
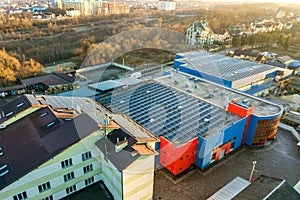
x,y
167,5
56,4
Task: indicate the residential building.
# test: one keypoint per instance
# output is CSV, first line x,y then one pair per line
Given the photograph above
x,y
56,3
222,37
200,34
167,5
51,147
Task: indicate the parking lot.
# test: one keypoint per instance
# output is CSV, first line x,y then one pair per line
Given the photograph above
x,y
279,159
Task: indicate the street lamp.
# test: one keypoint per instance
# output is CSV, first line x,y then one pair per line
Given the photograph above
x,y
253,168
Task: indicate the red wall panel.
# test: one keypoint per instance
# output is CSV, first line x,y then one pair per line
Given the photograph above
x,y
177,159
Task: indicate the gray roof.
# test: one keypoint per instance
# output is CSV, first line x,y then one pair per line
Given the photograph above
x,y
227,68
120,159
269,188
230,190
111,84
80,104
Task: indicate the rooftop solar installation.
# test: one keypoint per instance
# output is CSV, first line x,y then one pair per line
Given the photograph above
x,y
80,104
168,112
227,68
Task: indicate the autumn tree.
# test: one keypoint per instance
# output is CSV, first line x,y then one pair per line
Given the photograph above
x,y
87,45
31,68
9,68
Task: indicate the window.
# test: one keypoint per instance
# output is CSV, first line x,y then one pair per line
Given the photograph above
x,y
71,189
88,168
66,163
69,176
44,114
20,196
89,181
48,198
44,187
87,155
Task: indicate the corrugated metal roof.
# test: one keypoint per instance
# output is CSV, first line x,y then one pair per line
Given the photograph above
x,y
224,67
230,190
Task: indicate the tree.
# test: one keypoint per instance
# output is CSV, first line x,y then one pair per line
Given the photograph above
x,y
31,68
9,68
286,44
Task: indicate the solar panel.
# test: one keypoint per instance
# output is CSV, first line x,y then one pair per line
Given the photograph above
x,y
166,111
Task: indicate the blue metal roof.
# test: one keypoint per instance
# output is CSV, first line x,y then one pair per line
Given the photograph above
x,y
168,112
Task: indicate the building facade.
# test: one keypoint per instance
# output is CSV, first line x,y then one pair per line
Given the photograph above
x,y
246,76
167,5
199,33
198,122
54,146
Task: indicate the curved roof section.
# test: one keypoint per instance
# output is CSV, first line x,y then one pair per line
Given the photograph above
x,y
220,95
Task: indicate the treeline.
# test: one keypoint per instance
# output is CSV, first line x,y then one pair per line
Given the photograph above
x,y
14,68
73,38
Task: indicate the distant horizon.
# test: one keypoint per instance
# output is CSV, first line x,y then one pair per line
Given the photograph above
x,y
250,1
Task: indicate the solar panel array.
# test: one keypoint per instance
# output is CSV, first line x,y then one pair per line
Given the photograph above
x,y
85,105
167,112
227,68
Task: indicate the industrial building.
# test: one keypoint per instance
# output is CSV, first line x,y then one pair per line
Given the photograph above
x,y
51,147
246,76
198,122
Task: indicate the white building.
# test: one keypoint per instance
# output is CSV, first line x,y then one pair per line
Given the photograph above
x,y
56,4
54,146
167,5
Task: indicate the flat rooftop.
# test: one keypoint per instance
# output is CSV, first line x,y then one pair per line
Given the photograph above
x,y
166,111
219,95
224,67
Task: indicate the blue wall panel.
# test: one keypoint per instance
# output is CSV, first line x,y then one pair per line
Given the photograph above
x,y
206,145
208,77
178,63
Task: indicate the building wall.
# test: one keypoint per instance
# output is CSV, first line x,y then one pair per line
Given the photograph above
x,y
261,129
112,178
198,36
138,179
215,146
177,159
53,172
253,79
205,76
167,5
